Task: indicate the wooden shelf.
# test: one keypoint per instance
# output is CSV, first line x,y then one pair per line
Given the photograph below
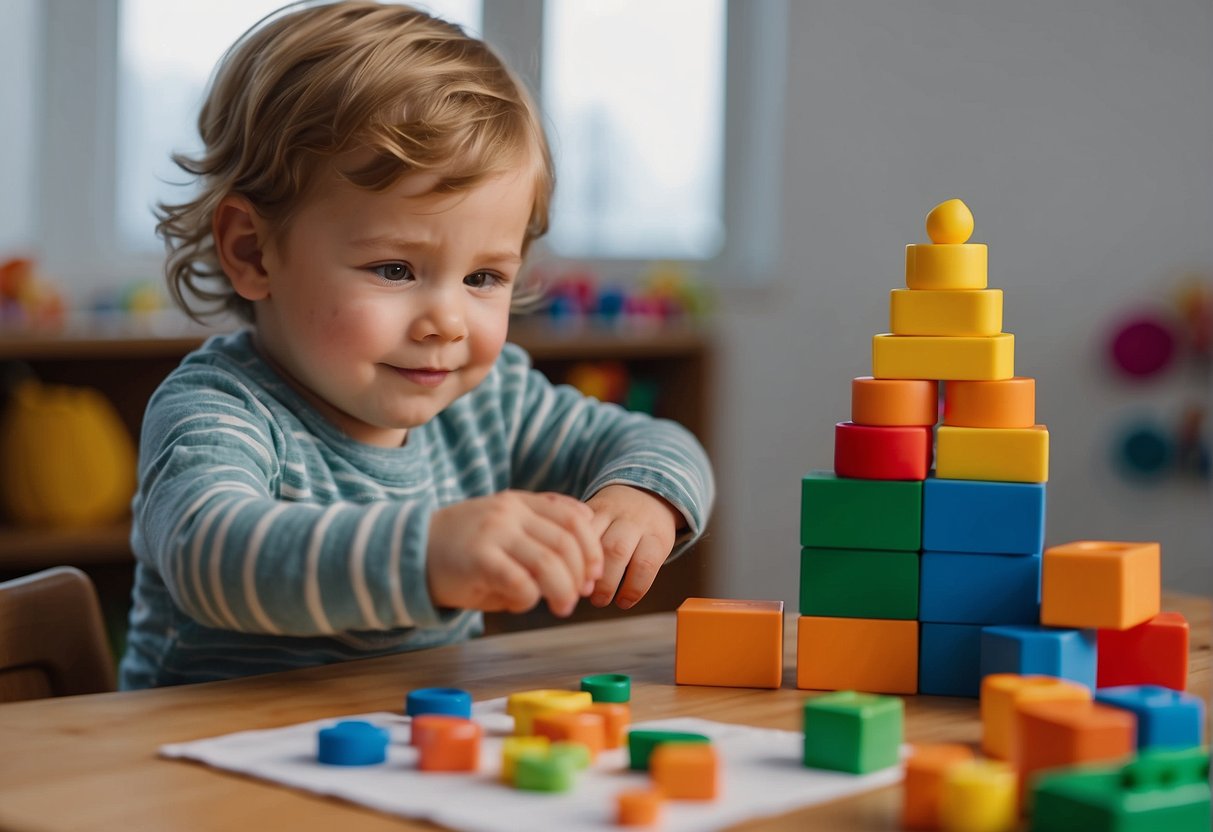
x,y
30,549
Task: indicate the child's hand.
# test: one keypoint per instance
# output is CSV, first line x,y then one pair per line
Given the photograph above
x,y
508,550
638,530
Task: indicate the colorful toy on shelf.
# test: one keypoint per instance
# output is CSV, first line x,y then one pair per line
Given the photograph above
x,y
664,293
28,299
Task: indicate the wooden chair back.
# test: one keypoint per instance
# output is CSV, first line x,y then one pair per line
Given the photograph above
x,y
52,637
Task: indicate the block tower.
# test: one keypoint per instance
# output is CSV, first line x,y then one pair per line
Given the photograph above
x,y
901,567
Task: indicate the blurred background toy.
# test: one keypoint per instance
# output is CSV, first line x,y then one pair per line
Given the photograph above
x,y
28,299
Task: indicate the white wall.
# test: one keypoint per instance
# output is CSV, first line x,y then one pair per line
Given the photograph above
x,y
18,68
1081,135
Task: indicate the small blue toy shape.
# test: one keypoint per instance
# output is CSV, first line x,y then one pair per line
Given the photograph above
x,y
1165,718
448,701
1039,651
352,743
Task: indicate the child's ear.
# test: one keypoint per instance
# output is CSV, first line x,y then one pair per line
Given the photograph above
x,y
239,232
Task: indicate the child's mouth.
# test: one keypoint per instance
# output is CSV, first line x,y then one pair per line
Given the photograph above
x,y
425,376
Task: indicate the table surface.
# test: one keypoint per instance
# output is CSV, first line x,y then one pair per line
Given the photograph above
x,y
90,762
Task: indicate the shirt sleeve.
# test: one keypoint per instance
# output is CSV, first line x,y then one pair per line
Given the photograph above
x,y
235,556
567,442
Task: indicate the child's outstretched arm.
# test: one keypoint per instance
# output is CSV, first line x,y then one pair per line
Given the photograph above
x,y
648,480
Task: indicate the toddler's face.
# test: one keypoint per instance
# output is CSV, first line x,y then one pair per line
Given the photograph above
x,y
384,308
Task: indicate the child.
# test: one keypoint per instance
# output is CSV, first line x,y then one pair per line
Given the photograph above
x,y
337,481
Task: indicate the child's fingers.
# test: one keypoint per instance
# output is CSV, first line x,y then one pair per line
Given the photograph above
x,y
513,588
560,540
549,571
577,518
618,543
649,556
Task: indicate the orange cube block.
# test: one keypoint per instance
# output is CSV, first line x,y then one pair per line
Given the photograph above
x,y
639,807
894,401
729,643
1003,693
617,717
1097,583
446,743
686,770
925,770
873,655
1008,403
583,727
1057,734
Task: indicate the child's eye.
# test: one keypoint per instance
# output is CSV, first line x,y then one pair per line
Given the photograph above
x,y
393,272
483,280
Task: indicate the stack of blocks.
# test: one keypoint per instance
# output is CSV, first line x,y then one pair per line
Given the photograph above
x,y
901,570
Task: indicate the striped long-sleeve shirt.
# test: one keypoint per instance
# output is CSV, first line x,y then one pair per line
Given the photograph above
x,y
266,539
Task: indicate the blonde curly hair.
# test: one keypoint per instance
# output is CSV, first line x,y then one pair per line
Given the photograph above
x,y
411,92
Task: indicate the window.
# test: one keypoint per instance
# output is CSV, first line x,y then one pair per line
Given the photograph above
x,y
655,161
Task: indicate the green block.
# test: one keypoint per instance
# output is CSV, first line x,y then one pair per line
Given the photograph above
x,y
858,583
842,513
576,754
854,732
641,745
1159,790
545,772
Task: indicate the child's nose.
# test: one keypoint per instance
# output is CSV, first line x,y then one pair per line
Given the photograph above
x,y
442,318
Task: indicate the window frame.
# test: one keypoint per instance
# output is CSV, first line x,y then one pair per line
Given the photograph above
x,y
76,232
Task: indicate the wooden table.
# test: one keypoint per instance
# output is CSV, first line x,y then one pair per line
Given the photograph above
x,y
89,762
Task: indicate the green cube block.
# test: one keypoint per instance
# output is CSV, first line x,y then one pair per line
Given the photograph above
x,y
843,513
641,744
853,732
545,772
1159,790
858,583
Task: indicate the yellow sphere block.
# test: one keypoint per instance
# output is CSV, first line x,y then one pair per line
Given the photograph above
x,y
950,222
944,357
958,266
946,312
1003,693
1099,583
997,454
981,796
525,705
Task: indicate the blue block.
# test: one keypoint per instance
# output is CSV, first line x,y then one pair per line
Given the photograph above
x,y
1165,718
949,660
448,701
1006,518
1039,651
979,589
352,743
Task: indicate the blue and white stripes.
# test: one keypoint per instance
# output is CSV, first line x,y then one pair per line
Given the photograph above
x,y
266,539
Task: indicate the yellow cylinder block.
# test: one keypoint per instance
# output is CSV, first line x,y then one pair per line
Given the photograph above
x,y
943,357
947,266
945,311
997,454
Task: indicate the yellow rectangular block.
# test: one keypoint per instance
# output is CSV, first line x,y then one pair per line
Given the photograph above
x,y
1100,583
976,312
729,643
944,357
998,454
1003,693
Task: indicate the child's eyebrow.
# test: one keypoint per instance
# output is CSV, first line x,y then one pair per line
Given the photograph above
x,y
403,244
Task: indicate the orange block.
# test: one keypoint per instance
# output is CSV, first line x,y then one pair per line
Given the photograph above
x,y
616,716
638,807
894,401
1009,403
1058,734
446,743
925,770
1003,693
866,654
583,727
1096,583
729,643
686,770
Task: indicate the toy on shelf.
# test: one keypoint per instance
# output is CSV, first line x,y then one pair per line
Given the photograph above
x,y
27,298
664,294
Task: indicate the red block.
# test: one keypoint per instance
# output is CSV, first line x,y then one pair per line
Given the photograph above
x,y
1153,653
867,452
